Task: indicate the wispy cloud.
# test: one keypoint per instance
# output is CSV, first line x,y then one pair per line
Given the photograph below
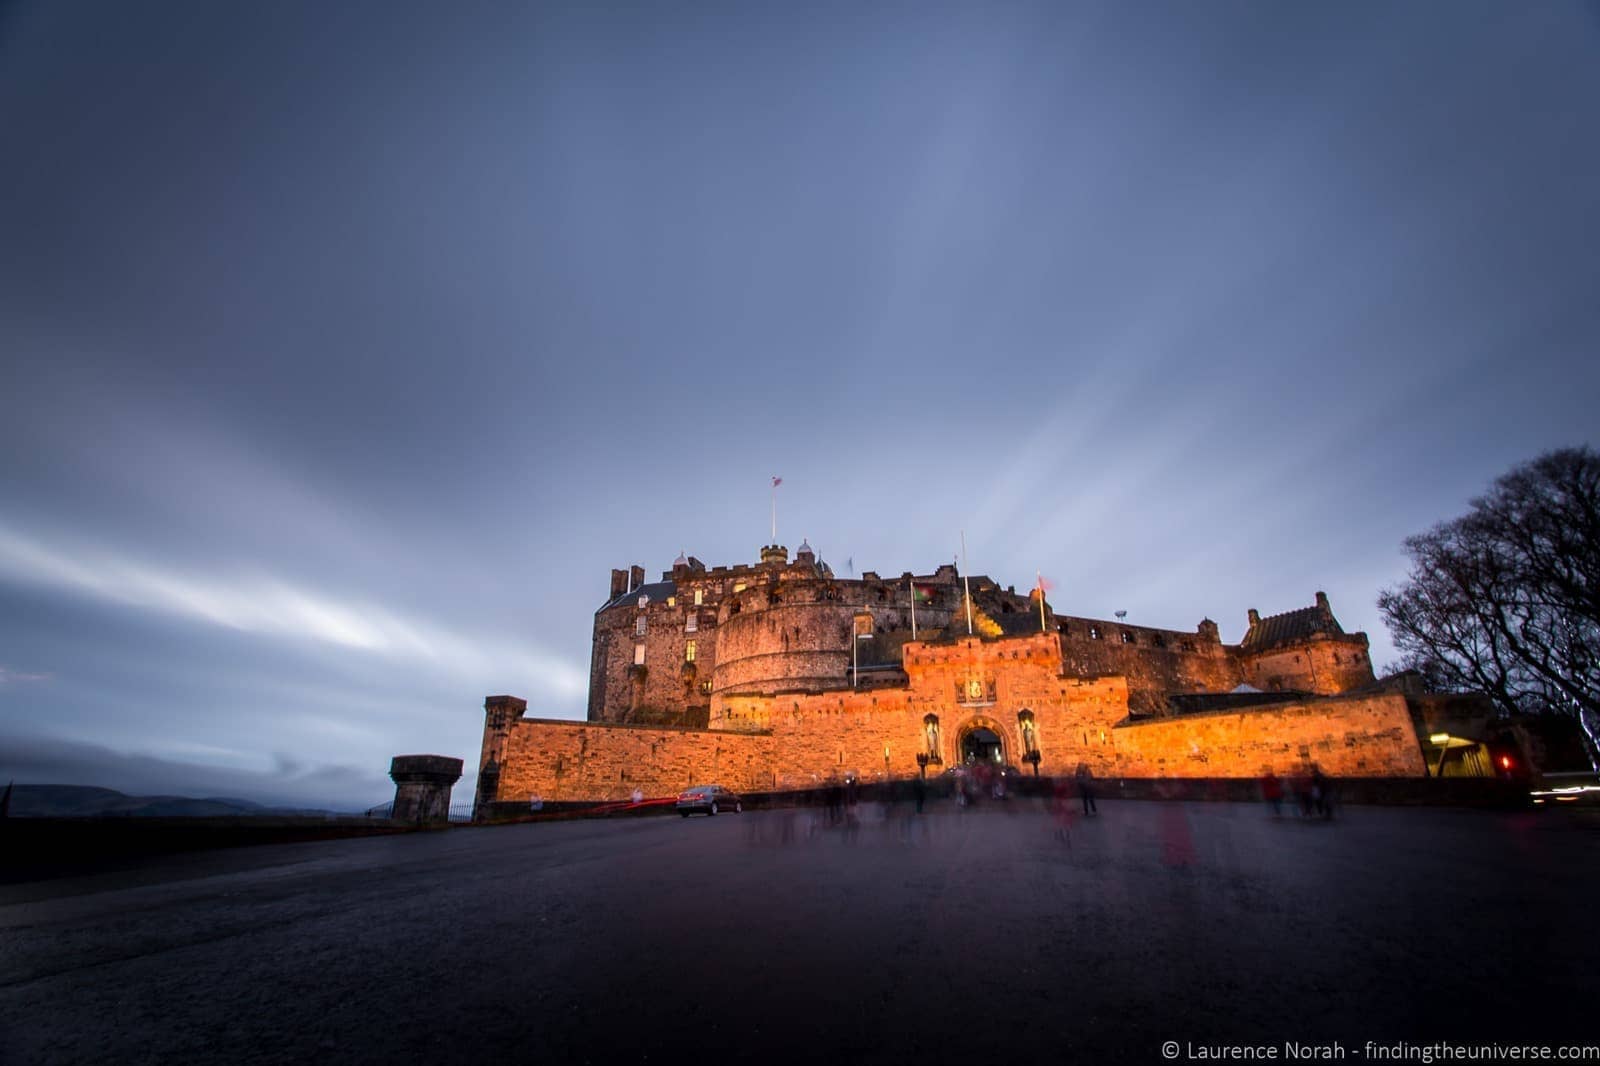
x,y
272,607
8,676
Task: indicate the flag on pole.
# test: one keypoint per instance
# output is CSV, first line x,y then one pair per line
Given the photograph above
x,y
921,593
1044,586
913,610
776,481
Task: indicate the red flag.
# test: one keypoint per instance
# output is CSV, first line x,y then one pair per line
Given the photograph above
x,y
777,481
1046,584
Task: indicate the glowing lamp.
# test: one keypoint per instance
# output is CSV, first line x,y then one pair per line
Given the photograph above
x,y
1439,738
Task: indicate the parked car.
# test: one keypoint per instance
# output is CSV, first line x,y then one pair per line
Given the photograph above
x,y
708,799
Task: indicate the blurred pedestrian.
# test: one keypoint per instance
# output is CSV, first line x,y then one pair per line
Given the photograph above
x,y
1061,809
1086,788
1272,792
1321,798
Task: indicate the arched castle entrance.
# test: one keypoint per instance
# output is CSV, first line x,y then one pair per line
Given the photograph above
x,y
982,740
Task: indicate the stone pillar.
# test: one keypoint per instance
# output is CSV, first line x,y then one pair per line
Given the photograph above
x,y
500,714
422,787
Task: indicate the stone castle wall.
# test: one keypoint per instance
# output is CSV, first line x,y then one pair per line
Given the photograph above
x,y
1326,665
1156,662
799,739
812,739
768,700
1355,736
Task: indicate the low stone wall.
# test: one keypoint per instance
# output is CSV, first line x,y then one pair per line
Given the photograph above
x,y
1358,736
562,761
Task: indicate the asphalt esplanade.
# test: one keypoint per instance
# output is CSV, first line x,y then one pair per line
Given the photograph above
x,y
999,933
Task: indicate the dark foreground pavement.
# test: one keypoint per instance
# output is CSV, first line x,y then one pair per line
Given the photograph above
x,y
979,936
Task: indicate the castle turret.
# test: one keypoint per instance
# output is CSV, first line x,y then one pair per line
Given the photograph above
x,y
774,555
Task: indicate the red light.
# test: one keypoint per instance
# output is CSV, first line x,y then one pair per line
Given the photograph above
x,y
1505,762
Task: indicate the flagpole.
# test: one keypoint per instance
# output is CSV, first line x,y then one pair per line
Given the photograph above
x,y
774,510
913,583
1040,575
966,582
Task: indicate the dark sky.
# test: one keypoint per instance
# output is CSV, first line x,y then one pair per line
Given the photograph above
x,y
346,347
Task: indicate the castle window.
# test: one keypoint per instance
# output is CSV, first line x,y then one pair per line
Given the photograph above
x,y
644,601
688,651
1127,638
738,587
638,655
691,622
1094,632
1159,641
672,601
699,597
1188,645
639,626
705,687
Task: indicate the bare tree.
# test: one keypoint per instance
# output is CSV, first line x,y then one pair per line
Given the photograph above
x,y
1505,600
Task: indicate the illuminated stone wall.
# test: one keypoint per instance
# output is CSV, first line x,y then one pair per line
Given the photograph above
x,y
800,739
1354,736
1328,665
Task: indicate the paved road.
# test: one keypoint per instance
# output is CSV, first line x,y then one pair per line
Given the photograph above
x,y
976,936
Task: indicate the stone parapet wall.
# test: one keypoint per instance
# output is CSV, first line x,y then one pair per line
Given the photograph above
x,y
1355,736
564,761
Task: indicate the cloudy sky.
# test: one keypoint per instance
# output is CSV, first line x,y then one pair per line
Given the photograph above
x,y
346,347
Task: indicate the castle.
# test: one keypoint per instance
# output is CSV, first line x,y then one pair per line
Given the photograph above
x,y
782,675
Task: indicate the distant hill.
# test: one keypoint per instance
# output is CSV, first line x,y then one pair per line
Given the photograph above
x,y
84,801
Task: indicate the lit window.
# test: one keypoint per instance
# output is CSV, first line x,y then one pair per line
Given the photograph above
x,y
672,601
688,652
691,622
1094,632
644,601
1127,638
638,655
738,587
705,687
639,626
699,597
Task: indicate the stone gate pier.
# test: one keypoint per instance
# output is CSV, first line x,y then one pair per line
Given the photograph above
x,y
422,787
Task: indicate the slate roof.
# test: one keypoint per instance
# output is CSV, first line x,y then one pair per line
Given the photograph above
x,y
1291,627
658,591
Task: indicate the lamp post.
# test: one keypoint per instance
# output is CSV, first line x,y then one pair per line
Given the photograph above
x,y
922,764
1033,757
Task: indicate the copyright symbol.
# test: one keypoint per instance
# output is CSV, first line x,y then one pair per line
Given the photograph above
x,y
1169,1050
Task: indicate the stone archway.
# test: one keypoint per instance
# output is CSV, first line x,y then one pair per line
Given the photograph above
x,y
982,740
